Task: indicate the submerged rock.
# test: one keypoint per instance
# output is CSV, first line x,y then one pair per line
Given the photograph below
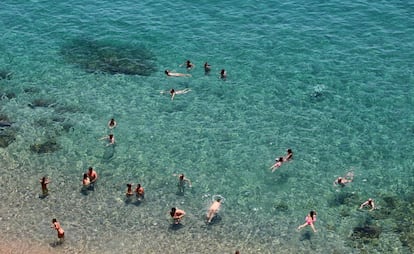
x,y
4,74
368,231
49,146
7,136
97,56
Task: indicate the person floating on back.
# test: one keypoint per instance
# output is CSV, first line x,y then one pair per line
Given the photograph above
x,y
176,74
173,92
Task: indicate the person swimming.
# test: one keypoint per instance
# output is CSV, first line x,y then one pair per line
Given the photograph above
x,y
310,219
278,163
112,124
176,74
342,181
369,203
213,210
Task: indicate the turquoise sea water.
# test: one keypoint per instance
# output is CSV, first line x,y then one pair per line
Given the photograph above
x,y
333,80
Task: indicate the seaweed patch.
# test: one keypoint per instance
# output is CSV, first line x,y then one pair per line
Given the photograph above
x,y
109,57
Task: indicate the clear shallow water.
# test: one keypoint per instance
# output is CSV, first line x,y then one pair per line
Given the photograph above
x,y
333,81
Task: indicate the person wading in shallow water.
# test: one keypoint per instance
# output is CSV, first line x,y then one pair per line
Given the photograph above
x,y
177,215
59,229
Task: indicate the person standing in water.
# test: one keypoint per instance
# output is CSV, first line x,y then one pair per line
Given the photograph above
x,y
129,192
223,74
310,219
59,229
188,64
140,192
207,68
44,181
93,177
182,181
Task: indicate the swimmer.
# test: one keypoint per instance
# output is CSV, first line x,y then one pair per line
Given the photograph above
x,y
110,138
129,192
44,181
277,164
173,92
213,210
369,203
139,192
176,74
93,176
86,181
342,181
310,219
223,74
59,229
189,65
182,180
207,68
177,215
112,124
289,155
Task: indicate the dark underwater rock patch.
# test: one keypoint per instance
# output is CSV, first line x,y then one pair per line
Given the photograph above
x,y
49,146
7,136
5,74
112,58
368,231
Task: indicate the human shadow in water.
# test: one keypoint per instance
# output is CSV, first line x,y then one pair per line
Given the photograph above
x,y
306,236
175,226
108,153
216,219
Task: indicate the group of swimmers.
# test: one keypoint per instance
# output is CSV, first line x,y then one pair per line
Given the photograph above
x,y
178,214
340,181
189,65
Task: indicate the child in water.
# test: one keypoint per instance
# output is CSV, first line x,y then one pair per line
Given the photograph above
x,y
310,219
